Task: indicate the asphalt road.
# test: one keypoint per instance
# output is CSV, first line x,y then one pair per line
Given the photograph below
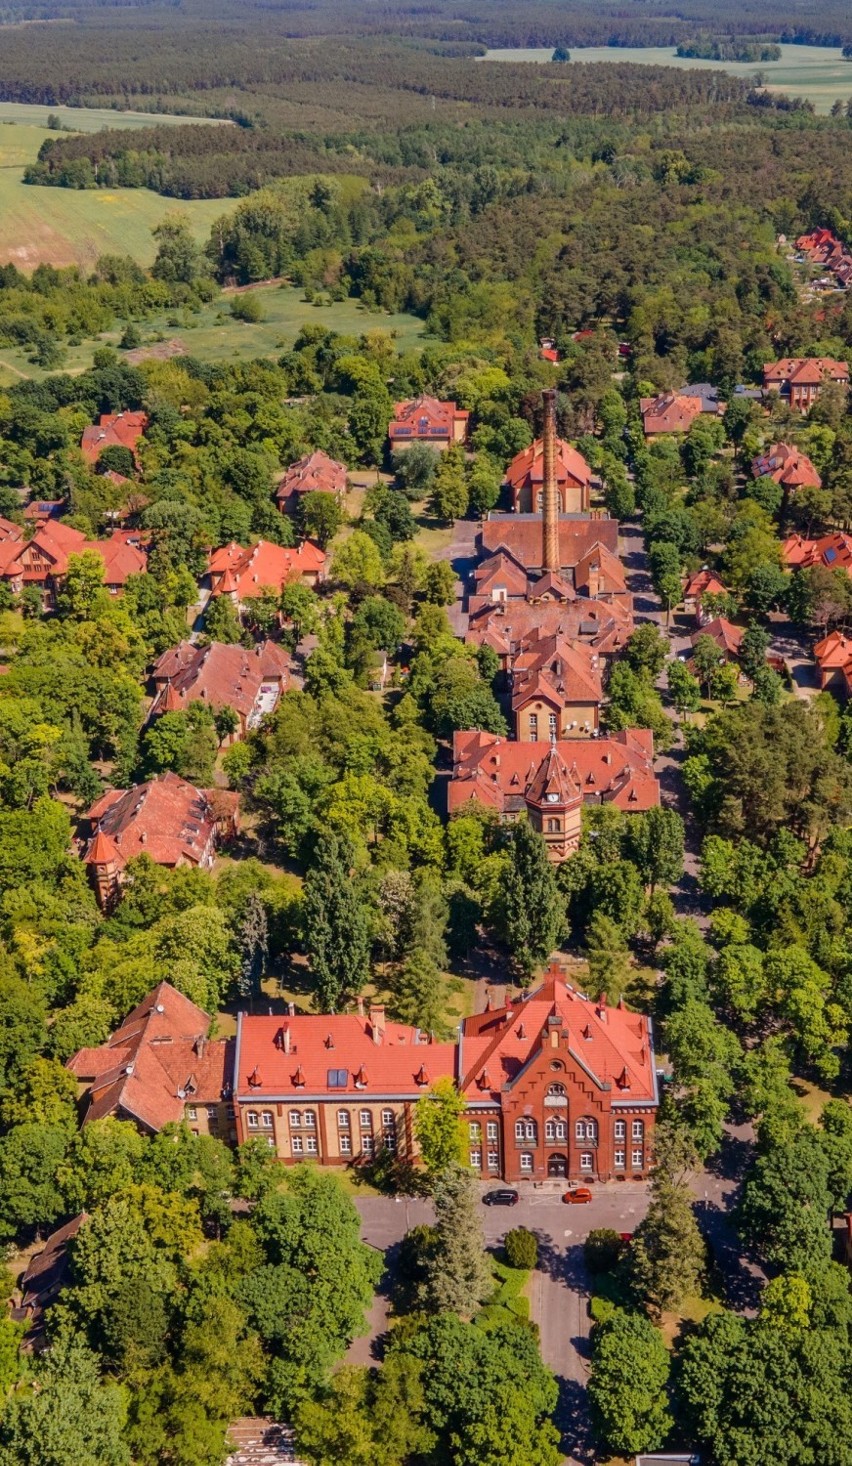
x,y
559,1289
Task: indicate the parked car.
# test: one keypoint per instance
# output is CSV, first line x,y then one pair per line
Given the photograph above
x,y
501,1198
577,1194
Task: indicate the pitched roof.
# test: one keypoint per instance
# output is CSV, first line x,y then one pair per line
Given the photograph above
x,y
605,625
834,551
554,668
520,535
613,1045
166,818
702,583
617,769
803,370
219,675
527,467
670,412
727,636
834,650
425,417
610,571
344,1055
248,572
156,1061
119,429
314,473
787,466
48,551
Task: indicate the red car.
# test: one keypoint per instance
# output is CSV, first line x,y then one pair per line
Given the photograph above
x,y
577,1195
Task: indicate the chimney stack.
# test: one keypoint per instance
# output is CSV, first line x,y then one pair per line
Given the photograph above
x,y
550,496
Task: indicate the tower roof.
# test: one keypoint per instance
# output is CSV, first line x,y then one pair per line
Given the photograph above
x,y
554,783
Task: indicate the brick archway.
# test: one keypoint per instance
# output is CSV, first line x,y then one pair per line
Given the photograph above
x,y
557,1165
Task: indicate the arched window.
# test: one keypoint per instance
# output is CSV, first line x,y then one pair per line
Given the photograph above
x,y
555,1131
586,1130
556,1089
526,1132
637,1130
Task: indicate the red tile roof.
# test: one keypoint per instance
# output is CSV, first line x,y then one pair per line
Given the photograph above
x,y
703,582
527,467
552,668
248,572
120,429
606,568
425,419
166,818
344,1055
834,551
520,536
219,675
834,650
616,769
671,412
46,554
605,625
802,370
315,473
787,466
159,1060
613,1045
726,635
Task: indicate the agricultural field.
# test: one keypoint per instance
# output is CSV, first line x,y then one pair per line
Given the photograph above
x,y
60,226
818,73
213,334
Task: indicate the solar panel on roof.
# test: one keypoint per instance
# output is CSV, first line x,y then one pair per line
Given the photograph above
x,y
830,555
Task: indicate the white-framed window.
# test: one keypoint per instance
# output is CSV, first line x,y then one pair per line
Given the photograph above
x,y
266,1119
389,1138
620,1160
474,1130
251,1118
637,1130
526,1161
192,1112
295,1119
310,1121
388,1117
270,1141
212,1114
296,1144
311,1144
636,1159
476,1159
345,1144
526,1131
551,725
493,1160
620,1131
365,1119
367,1144
586,1130
586,1161
533,727
491,1130
343,1119
555,1130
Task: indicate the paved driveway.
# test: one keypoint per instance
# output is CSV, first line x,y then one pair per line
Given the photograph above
x,y
559,1289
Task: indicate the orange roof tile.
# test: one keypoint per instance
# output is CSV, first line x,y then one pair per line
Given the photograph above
x,y
616,769
248,572
290,1058
527,467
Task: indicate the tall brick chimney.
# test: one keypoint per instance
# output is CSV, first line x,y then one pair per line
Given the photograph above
x,y
550,496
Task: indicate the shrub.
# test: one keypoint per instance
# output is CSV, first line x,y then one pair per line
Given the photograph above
x,y
603,1249
521,1248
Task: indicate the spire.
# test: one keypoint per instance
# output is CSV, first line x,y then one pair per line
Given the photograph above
x,y
550,493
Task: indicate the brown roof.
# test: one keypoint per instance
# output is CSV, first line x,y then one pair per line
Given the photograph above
x,y
606,626
166,818
219,675
557,670
614,1046
316,473
520,536
727,636
616,769
159,1060
787,466
527,467
609,568
120,429
671,412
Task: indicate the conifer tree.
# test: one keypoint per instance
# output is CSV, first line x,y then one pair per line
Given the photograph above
x,y
459,1277
534,920
335,927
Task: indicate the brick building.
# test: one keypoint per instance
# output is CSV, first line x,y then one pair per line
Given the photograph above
x,y
799,380
249,681
556,689
670,412
315,473
113,430
159,1068
167,819
525,479
788,466
554,1085
242,573
43,560
427,420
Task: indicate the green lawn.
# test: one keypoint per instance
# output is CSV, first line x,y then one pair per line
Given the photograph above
x,y
63,226
212,334
816,72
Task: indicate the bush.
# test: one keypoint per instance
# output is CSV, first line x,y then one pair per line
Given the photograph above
x,y
603,1250
521,1248
247,308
